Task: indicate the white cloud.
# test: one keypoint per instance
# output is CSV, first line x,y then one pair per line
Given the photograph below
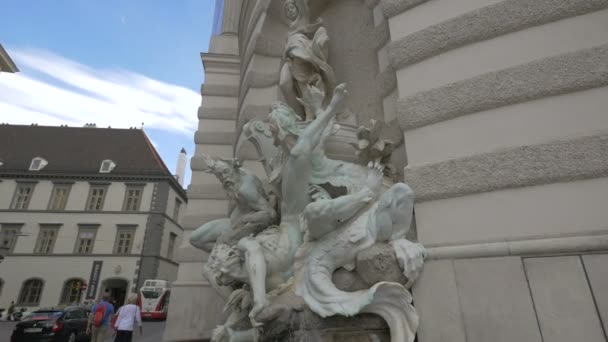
x,y
79,94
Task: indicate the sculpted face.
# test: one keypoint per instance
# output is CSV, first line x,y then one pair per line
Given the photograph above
x,y
226,174
226,265
291,10
283,125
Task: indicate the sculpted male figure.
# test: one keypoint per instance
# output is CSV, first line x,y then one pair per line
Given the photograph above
x,y
305,58
269,256
252,209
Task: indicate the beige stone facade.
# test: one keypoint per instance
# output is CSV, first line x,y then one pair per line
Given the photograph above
x,y
54,232
501,104
499,107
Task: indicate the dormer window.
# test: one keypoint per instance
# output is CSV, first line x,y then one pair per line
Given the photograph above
x,y
38,164
107,166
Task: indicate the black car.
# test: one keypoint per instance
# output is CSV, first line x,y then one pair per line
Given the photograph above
x,y
53,325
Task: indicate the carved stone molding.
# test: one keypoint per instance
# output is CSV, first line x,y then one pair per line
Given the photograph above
x,y
575,71
559,161
485,23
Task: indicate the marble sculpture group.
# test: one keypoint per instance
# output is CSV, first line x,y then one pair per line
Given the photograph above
x,y
286,235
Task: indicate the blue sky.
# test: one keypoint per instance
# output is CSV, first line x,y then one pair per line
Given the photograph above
x,y
112,62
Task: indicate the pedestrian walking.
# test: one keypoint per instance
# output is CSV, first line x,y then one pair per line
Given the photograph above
x,y
10,311
99,321
128,316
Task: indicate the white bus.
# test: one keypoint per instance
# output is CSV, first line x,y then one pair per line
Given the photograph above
x,y
154,299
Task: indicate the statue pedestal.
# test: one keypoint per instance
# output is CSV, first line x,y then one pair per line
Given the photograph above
x,y
306,326
299,324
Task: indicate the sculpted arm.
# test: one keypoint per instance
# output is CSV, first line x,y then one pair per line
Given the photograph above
x,y
286,85
247,225
296,172
326,215
256,269
313,133
204,237
259,213
398,203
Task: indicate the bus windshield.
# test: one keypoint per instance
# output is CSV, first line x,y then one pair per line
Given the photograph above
x,y
150,294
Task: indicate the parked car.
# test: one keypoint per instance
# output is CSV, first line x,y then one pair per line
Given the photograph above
x,y
53,325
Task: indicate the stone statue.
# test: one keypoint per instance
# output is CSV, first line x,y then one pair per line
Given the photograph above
x,y
305,58
336,244
317,234
315,217
371,147
252,208
268,258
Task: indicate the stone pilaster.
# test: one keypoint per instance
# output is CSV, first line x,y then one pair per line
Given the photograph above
x,y
195,307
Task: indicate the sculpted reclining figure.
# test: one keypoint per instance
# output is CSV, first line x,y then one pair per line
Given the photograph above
x,y
336,243
269,256
252,209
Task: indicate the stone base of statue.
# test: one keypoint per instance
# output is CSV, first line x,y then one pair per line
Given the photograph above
x,y
290,320
306,326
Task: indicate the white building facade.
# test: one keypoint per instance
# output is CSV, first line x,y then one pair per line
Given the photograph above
x,y
81,219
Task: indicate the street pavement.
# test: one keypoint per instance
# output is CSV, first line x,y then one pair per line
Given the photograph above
x,y
153,332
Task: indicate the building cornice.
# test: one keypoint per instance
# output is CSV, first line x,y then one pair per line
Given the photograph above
x,y
214,62
73,255
113,212
21,176
99,255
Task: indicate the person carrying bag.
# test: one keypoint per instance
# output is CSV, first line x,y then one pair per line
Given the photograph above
x,y
126,318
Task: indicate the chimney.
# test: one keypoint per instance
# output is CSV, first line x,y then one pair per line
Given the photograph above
x,y
180,171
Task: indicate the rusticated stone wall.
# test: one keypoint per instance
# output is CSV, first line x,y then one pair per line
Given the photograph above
x,y
502,104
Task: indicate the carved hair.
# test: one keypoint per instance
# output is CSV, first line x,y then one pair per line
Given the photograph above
x,y
215,165
283,121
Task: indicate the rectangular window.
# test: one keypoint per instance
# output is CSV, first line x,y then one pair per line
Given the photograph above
x,y
59,197
124,240
172,238
22,196
10,234
97,195
46,239
178,204
85,240
132,198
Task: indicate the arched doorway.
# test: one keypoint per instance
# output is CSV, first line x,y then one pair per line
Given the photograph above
x,y
71,292
116,288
